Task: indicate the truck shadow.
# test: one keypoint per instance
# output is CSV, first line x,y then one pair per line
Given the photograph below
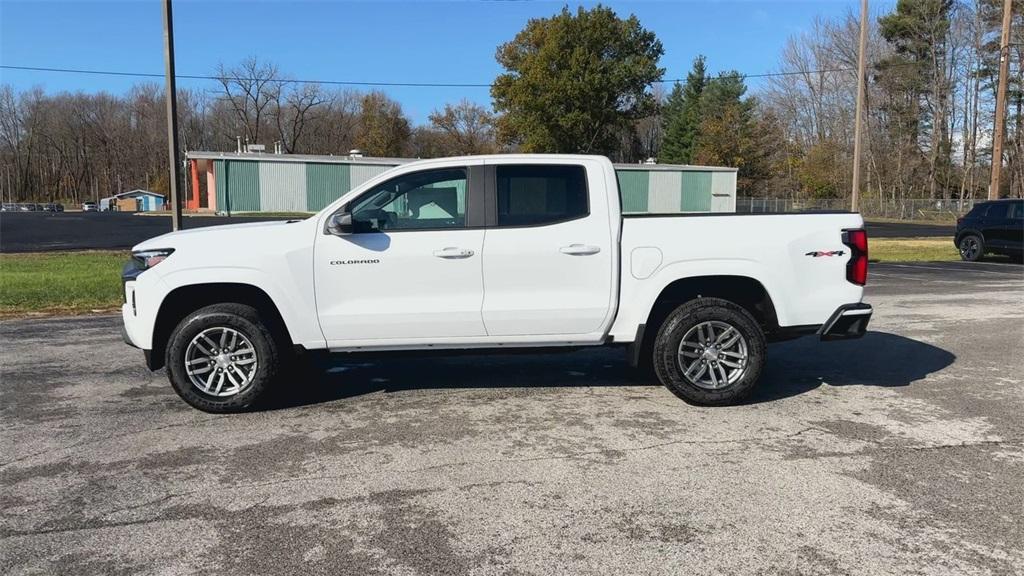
x,y
878,359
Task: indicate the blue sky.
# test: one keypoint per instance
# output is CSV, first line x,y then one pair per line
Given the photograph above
x,y
365,41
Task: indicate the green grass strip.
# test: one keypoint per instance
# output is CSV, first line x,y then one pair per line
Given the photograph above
x,y
60,282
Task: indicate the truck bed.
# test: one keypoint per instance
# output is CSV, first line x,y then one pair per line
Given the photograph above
x,y
799,259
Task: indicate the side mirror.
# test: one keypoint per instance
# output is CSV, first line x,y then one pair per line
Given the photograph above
x,y
340,224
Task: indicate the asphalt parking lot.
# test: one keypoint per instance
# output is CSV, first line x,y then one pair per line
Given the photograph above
x,y
901,453
49,231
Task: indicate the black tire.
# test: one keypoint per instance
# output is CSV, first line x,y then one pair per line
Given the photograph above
x,y
682,320
246,321
971,248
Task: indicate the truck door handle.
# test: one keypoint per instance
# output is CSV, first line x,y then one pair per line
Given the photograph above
x,y
452,252
579,249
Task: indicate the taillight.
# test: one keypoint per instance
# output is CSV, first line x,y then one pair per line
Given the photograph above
x,y
857,267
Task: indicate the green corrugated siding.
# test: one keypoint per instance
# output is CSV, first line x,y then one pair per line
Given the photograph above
x,y
633,190
696,192
218,176
325,183
242,178
460,193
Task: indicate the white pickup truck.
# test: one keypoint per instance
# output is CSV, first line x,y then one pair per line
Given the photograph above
x,y
492,252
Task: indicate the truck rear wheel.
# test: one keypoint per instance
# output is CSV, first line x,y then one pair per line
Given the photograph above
x,y
709,351
222,358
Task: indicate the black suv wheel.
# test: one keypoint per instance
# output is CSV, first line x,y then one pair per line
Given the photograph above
x,y
972,248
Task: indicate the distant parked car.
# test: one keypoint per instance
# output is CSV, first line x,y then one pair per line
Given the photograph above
x,y
58,207
49,207
29,207
995,227
90,207
9,207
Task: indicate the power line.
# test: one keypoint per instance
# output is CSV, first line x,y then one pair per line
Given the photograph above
x,y
222,78
382,84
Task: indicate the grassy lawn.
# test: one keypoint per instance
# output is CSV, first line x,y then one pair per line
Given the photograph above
x,y
943,220
912,250
63,282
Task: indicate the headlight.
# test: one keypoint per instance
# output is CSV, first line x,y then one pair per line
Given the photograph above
x,y
146,259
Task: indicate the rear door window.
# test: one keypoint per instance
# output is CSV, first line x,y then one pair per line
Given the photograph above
x,y
997,210
536,195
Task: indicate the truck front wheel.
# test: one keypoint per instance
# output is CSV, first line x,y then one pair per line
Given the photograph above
x,y
709,351
222,358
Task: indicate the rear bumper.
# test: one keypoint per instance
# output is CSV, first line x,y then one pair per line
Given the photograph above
x,y
847,322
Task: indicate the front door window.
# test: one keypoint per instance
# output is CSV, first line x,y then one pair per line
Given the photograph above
x,y
428,200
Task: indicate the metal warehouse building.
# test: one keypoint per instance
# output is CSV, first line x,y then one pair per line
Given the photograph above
x,y
236,182
133,201
669,188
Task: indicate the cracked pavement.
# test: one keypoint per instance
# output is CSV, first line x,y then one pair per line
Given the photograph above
x,y
901,453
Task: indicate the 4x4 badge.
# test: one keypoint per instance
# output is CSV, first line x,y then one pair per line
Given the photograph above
x,y
818,253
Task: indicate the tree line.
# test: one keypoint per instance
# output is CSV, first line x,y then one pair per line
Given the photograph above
x,y
589,81
76,147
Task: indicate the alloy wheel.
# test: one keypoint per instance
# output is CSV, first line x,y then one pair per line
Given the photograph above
x,y
221,361
713,355
969,248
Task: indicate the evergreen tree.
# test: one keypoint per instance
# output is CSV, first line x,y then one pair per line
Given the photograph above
x,y
918,30
674,128
682,116
727,129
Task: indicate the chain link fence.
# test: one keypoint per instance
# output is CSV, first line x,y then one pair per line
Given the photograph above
x,y
905,209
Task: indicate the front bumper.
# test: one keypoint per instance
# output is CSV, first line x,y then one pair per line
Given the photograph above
x,y
124,332
129,309
132,329
847,322
127,324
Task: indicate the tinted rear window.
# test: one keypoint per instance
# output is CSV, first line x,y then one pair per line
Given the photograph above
x,y
534,195
997,210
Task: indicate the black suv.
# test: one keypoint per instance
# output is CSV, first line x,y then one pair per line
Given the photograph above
x,y
991,227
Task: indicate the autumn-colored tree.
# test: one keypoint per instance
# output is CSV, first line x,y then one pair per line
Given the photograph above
x,y
384,130
465,128
426,142
820,172
574,81
725,134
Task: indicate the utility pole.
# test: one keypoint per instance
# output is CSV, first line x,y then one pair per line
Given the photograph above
x,y
172,116
858,129
1004,71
